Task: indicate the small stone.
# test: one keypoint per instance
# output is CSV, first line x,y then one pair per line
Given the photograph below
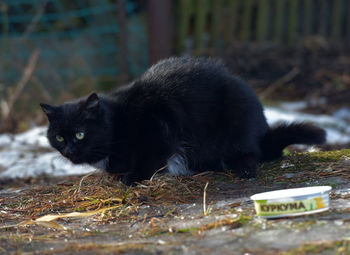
x,y
161,241
328,170
338,222
289,175
286,165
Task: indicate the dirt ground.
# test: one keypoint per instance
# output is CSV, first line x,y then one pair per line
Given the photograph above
x,y
97,214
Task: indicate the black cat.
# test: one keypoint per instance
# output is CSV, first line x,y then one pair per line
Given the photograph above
x,y
190,114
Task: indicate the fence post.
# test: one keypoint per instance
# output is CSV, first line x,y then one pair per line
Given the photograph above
x,y
183,12
308,17
232,14
246,20
215,24
348,24
337,18
322,29
292,22
199,25
160,26
262,20
123,41
279,21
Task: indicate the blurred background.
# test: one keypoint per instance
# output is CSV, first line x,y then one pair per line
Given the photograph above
x,y
294,53
57,50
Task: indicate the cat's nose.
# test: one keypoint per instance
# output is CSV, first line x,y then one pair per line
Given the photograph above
x,y
68,151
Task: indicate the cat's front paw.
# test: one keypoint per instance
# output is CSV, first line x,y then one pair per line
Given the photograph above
x,y
247,173
130,179
247,167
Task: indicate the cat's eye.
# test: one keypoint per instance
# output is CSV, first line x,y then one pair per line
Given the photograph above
x,y
80,135
59,138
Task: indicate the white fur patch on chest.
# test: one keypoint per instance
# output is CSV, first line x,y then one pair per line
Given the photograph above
x,y
102,164
177,165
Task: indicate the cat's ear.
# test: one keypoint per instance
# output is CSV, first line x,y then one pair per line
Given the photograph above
x,y
49,110
92,102
91,106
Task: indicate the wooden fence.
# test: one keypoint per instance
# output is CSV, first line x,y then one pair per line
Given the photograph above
x,y
218,23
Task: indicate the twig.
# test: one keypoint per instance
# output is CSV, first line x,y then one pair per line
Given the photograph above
x,y
83,178
160,169
205,199
202,173
146,218
280,82
28,71
32,25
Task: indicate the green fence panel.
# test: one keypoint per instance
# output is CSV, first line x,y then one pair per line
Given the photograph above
x,y
268,21
76,39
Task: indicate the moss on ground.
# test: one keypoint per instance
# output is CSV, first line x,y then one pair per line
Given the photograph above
x,y
341,247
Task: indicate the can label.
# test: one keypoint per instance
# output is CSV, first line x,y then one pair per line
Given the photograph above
x,y
266,208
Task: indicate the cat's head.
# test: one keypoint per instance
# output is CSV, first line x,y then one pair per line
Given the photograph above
x,y
79,129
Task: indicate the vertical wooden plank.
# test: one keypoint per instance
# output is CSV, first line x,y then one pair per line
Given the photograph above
x,y
215,22
322,29
123,41
292,21
262,20
224,20
4,37
183,17
160,29
199,25
233,6
348,22
279,20
246,20
308,17
5,24
337,18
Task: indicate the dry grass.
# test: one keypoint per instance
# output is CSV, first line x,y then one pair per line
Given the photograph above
x,y
100,191
54,211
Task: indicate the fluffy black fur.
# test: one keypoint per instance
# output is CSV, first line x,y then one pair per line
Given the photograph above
x,y
190,113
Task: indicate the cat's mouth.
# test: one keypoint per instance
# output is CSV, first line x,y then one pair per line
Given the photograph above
x,y
82,160
75,159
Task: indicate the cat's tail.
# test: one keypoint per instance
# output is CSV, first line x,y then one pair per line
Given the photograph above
x,y
282,135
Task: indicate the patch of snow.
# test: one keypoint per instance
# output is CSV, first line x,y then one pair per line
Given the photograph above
x,y
313,149
293,106
342,113
29,154
342,192
338,130
35,136
5,139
